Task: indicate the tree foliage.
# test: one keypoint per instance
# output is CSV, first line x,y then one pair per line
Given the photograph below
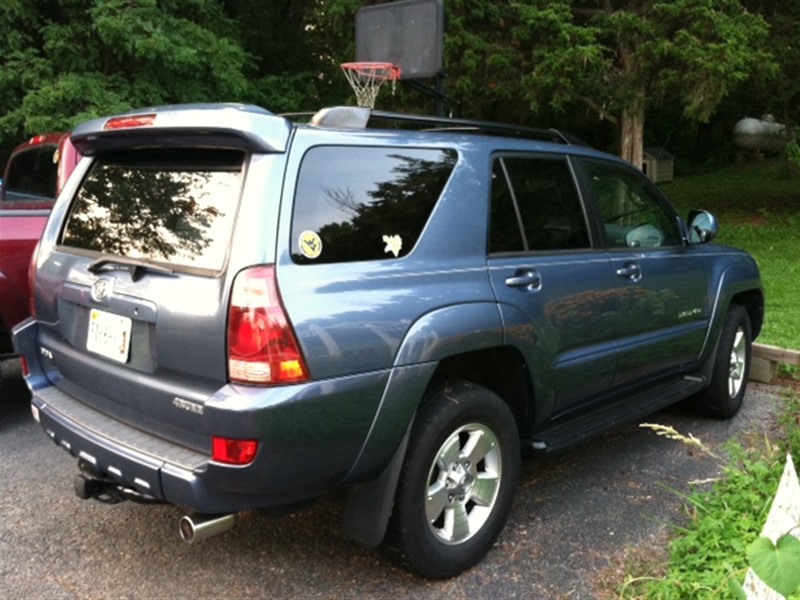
x,y
599,62
622,57
66,61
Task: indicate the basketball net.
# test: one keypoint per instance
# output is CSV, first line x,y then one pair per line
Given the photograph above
x,y
366,79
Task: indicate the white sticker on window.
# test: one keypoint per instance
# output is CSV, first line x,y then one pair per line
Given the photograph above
x,y
310,244
394,243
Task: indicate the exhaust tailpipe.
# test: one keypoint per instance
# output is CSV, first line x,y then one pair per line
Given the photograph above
x,y
194,528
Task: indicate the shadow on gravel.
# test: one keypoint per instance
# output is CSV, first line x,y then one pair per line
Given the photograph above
x,y
14,395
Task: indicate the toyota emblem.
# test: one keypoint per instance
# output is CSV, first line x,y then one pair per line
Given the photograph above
x,y
101,289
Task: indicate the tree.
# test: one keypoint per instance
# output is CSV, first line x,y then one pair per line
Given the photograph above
x,y
779,89
69,60
622,56
281,37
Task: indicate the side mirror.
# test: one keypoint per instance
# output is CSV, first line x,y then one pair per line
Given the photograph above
x,y
703,226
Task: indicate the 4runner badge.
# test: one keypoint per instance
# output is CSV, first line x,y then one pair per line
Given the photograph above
x,y
101,289
188,405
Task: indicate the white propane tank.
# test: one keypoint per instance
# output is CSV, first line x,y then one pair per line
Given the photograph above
x,y
760,135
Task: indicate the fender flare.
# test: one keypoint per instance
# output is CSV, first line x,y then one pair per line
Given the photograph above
x,y
734,280
434,336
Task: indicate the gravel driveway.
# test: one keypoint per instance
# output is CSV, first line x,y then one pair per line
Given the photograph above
x,y
574,517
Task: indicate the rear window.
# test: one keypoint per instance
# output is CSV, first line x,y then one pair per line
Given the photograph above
x,y
365,203
31,175
166,206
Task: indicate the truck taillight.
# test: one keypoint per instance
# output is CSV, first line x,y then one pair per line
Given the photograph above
x,y
262,348
32,280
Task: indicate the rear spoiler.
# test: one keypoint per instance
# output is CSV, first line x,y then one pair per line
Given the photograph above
x,y
234,126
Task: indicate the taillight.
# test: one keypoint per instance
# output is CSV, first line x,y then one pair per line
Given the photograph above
x,y
232,451
32,280
24,366
262,347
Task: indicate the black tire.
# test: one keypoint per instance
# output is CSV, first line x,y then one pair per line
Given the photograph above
x,y
724,396
441,485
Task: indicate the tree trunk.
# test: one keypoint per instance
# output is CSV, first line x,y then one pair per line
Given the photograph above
x,y
632,132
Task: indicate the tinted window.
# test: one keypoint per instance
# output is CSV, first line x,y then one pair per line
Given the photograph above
x,y
633,215
31,174
174,206
357,203
535,206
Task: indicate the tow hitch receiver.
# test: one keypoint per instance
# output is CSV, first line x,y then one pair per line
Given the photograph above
x,y
107,491
103,490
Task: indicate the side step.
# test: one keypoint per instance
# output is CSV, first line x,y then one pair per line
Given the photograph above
x,y
568,432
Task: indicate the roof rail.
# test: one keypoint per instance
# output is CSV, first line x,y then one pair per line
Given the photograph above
x,y
476,126
354,117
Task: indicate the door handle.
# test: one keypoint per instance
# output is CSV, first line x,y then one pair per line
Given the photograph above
x,y
631,271
525,278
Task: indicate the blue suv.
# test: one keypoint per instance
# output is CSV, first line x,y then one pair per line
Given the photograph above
x,y
237,311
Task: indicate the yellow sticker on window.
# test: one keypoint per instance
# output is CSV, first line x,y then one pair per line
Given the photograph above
x,y
310,244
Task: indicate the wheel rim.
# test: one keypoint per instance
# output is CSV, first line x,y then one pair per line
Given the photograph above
x,y
463,483
738,363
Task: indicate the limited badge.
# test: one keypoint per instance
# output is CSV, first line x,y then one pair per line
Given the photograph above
x,y
394,243
310,244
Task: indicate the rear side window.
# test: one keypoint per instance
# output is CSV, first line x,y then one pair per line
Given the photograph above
x,y
535,206
166,206
365,203
31,175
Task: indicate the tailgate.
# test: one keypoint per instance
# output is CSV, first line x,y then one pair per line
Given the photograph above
x,y
131,297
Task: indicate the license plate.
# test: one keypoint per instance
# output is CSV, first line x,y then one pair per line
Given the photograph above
x,y
109,335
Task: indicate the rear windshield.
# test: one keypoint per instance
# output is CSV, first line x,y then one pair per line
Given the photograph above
x,y
173,206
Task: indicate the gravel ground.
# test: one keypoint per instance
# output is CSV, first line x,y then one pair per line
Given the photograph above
x,y
575,516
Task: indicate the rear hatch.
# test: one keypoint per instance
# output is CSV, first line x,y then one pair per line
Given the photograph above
x,y
132,279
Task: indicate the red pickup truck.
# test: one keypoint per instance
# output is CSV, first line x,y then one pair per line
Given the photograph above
x,y
34,175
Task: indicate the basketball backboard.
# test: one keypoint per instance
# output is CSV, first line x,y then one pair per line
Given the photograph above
x,y
409,34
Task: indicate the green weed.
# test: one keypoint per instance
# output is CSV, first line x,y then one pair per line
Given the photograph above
x,y
710,553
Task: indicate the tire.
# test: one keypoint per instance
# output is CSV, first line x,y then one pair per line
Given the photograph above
x,y
457,484
724,396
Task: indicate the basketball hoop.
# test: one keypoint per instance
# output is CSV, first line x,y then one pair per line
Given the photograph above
x,y
366,79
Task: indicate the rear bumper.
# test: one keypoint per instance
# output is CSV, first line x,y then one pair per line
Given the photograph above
x,y
310,437
282,473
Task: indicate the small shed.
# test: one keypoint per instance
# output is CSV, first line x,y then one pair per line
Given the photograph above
x,y
658,164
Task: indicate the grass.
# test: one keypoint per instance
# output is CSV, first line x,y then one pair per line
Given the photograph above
x,y
758,206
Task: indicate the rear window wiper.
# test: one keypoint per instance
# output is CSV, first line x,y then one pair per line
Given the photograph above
x,y
137,267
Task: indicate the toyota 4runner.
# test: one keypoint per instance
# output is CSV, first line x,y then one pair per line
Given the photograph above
x,y
236,312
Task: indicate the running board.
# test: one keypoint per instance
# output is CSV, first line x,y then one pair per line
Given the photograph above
x,y
567,433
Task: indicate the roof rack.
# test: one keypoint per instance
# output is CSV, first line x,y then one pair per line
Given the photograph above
x,y
354,117
476,126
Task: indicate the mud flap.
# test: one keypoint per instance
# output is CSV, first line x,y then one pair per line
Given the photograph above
x,y
366,513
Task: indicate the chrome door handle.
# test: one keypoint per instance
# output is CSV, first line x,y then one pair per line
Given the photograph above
x,y
525,278
631,271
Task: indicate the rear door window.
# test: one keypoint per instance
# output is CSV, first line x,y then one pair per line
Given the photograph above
x,y
31,175
365,203
173,206
535,206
